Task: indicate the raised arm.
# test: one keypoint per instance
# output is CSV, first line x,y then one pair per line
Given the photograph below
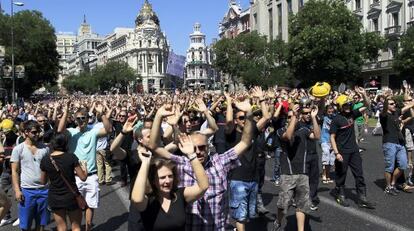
x,y
64,119
197,190
156,131
138,197
212,125
118,152
316,134
229,114
247,135
261,124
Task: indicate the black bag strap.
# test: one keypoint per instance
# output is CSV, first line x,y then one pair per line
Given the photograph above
x,y
63,177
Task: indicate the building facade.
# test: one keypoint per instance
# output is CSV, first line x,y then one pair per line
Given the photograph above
x,y
83,57
65,45
235,21
199,73
145,48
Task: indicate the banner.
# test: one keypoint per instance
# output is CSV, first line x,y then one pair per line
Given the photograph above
x,y
176,65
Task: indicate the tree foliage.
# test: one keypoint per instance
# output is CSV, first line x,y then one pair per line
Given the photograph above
x,y
326,43
34,47
104,78
404,60
253,60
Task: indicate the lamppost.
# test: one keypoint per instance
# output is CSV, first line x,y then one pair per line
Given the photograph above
x,y
12,3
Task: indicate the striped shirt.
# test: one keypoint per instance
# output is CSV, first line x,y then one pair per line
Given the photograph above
x,y
210,211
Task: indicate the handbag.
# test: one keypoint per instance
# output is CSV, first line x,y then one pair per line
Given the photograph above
x,y
80,200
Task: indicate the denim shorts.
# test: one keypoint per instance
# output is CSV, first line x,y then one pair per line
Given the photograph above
x,y
294,186
243,200
34,206
328,156
394,153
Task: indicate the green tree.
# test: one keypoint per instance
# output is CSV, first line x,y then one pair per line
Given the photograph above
x,y
105,77
34,47
253,60
404,60
326,43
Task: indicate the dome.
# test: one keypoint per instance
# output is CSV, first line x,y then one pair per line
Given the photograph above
x,y
147,16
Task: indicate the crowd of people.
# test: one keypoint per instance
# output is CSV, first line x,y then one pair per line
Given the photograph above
x,y
195,160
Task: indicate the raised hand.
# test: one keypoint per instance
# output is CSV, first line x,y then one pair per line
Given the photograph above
x,y
186,144
144,154
257,92
244,105
314,112
165,111
129,124
201,106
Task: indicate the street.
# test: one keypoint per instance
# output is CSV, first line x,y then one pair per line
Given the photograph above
x,y
392,213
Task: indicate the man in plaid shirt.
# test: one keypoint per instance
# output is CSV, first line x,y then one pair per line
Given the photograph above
x,y
209,212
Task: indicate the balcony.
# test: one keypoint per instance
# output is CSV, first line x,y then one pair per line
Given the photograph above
x,y
410,2
358,12
410,24
376,66
393,31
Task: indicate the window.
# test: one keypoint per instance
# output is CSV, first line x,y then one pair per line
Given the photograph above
x,y
255,19
270,23
289,5
375,26
149,43
358,5
411,12
395,19
300,3
279,16
140,43
150,69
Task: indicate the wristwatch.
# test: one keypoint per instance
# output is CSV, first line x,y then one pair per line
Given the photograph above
x,y
192,157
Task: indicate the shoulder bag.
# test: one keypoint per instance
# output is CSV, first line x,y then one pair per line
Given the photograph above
x,y
79,198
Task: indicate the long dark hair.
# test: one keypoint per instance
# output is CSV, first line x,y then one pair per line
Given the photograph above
x,y
153,175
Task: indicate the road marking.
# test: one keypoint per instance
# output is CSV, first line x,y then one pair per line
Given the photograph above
x,y
387,224
373,219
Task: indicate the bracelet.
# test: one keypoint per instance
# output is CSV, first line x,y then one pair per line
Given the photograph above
x,y
123,133
192,157
262,100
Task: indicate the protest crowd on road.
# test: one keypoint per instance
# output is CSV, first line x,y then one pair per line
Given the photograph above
x,y
195,160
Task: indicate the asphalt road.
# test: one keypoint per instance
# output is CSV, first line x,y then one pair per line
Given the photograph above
x,y
391,213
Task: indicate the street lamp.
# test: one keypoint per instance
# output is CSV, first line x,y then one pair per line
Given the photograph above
x,y
13,3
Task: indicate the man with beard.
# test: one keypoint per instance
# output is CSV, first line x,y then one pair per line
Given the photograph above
x,y
30,192
346,150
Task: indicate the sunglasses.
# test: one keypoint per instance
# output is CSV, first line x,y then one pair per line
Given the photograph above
x,y
392,104
201,148
121,115
241,118
34,132
41,121
81,118
306,113
408,100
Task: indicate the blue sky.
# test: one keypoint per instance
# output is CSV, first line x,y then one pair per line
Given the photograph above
x,y
177,17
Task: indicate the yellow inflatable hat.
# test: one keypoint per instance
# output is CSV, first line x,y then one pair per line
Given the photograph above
x,y
342,99
7,125
320,89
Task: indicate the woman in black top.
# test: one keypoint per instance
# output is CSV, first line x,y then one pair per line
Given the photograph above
x,y
164,207
61,200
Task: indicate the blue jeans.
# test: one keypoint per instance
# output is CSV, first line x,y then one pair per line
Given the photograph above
x,y
243,200
276,165
394,153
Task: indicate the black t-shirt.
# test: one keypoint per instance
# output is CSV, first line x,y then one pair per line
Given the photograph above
x,y
59,194
128,140
311,145
156,219
293,156
219,140
247,170
390,124
343,127
410,124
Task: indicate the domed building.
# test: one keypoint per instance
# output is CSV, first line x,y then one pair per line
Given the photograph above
x,y
145,48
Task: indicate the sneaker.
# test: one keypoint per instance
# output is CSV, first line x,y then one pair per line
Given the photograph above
x,y
314,207
262,210
277,183
395,189
340,199
390,191
276,226
16,222
364,203
410,182
6,221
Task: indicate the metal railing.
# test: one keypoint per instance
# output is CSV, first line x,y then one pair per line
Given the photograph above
x,y
393,30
